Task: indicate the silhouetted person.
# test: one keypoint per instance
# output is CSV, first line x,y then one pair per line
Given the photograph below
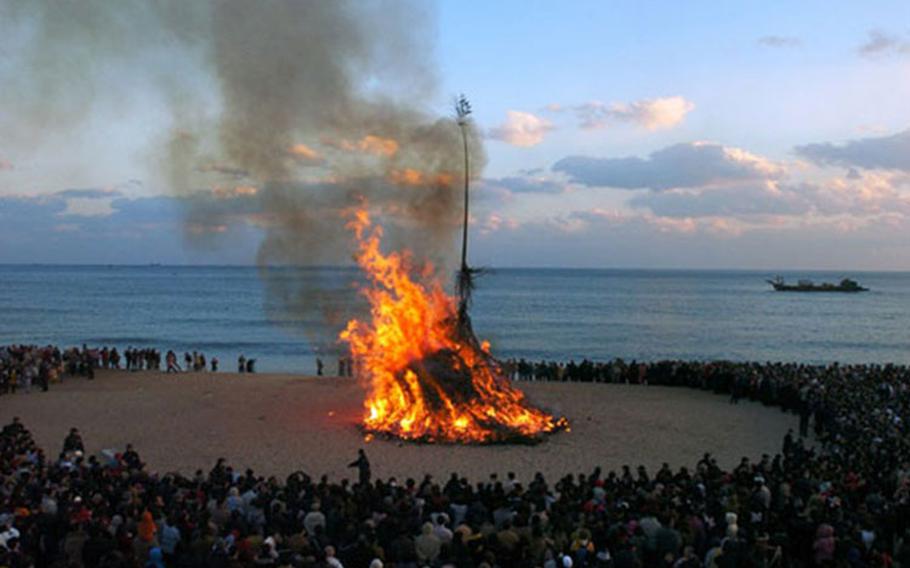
x,y
319,367
73,442
131,458
363,467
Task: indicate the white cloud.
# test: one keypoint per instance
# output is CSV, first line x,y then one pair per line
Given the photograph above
x,y
859,198
687,165
653,114
521,129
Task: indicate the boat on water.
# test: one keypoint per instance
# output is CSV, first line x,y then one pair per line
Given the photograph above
x,y
845,285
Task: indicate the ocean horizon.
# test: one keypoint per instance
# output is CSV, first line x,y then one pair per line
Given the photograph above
x,y
353,267
536,313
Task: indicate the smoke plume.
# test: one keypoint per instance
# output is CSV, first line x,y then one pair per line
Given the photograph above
x,y
283,115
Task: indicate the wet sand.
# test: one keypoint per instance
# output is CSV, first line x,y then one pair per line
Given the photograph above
x,y
278,424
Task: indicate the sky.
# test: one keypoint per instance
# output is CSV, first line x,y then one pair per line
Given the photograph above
x,y
758,135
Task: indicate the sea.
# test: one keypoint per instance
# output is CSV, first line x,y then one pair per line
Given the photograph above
x,y
551,314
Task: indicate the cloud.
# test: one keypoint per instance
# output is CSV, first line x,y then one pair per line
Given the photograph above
x,y
642,224
521,129
731,201
653,114
605,238
526,184
89,193
494,222
883,152
880,43
5,165
779,41
859,197
687,165
53,229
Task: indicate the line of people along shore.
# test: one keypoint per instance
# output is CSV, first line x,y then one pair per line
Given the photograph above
x,y
843,501
24,367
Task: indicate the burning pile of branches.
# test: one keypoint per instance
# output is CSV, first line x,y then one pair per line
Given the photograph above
x,y
428,377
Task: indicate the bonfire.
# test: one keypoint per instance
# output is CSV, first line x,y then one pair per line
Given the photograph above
x,y
426,380
428,377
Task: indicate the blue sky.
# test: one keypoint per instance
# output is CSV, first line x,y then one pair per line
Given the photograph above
x,y
618,134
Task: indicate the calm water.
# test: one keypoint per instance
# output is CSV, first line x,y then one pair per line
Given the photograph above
x,y
553,314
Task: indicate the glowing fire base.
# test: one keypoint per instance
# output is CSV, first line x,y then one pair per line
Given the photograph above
x,y
442,385
427,377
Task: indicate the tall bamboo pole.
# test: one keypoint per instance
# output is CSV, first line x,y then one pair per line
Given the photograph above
x,y
464,281
462,111
467,176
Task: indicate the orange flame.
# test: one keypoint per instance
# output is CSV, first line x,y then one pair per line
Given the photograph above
x,y
416,178
304,153
378,145
425,381
369,144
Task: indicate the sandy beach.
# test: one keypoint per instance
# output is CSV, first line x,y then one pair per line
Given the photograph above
x,y
277,424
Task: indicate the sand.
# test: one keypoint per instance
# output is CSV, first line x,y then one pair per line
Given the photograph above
x,y
278,424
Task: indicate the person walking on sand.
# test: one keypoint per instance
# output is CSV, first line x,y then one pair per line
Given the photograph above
x,y
363,467
319,367
241,364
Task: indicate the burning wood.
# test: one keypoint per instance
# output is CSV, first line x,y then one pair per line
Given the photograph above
x,y
428,377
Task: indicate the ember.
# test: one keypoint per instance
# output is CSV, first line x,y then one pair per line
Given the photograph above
x,y
427,379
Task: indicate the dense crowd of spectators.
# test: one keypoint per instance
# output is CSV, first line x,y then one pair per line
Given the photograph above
x,y
24,367
845,501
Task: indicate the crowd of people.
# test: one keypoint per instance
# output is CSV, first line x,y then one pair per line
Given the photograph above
x,y
24,367
843,500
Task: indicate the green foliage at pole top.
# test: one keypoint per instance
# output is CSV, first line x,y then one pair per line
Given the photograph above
x,y
462,109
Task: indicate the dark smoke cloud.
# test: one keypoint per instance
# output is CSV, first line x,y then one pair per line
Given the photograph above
x,y
303,108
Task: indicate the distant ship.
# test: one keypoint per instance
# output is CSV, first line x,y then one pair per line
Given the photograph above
x,y
845,285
